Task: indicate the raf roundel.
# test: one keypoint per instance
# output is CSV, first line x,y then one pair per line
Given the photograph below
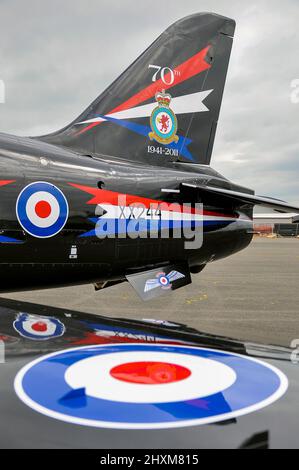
x,y
163,281
38,328
145,386
42,209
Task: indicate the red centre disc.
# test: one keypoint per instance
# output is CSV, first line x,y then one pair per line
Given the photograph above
x,y
150,373
43,209
39,326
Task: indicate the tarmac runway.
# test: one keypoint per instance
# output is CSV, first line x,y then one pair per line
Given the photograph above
x,y
252,296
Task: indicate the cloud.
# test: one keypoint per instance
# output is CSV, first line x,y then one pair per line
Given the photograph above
x,y
56,57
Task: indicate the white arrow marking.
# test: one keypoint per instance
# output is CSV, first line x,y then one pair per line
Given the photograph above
x,y
185,104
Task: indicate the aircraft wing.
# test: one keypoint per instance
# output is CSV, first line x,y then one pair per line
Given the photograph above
x,y
245,198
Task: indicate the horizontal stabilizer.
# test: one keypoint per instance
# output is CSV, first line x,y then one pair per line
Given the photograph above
x,y
245,198
156,282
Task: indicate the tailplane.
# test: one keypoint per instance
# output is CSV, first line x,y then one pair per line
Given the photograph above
x,y
165,106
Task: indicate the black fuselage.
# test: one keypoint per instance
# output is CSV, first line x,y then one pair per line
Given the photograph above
x,y
70,257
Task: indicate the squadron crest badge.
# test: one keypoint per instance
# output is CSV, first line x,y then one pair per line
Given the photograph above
x,y
163,121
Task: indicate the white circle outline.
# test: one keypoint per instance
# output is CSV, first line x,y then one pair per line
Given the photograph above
x,y
113,389
122,425
27,326
42,222
67,210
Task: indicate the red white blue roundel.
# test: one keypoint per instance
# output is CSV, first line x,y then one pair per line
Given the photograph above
x,y
142,386
38,328
42,209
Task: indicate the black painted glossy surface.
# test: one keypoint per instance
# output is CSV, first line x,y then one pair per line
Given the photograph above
x,y
117,158
45,262
275,426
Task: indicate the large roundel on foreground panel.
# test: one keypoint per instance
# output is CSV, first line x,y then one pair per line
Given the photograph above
x,y
42,209
141,386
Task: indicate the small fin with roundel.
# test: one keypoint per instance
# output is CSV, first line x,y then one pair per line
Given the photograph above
x,y
156,282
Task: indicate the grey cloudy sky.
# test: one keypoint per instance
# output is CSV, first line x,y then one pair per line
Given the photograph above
x,y
57,56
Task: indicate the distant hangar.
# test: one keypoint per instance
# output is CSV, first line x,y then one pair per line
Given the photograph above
x,y
276,218
277,223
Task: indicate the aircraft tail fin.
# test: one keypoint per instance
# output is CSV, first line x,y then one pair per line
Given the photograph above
x,y
165,106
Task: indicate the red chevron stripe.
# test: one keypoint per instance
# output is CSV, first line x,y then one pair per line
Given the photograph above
x,y
103,196
188,69
193,66
5,182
